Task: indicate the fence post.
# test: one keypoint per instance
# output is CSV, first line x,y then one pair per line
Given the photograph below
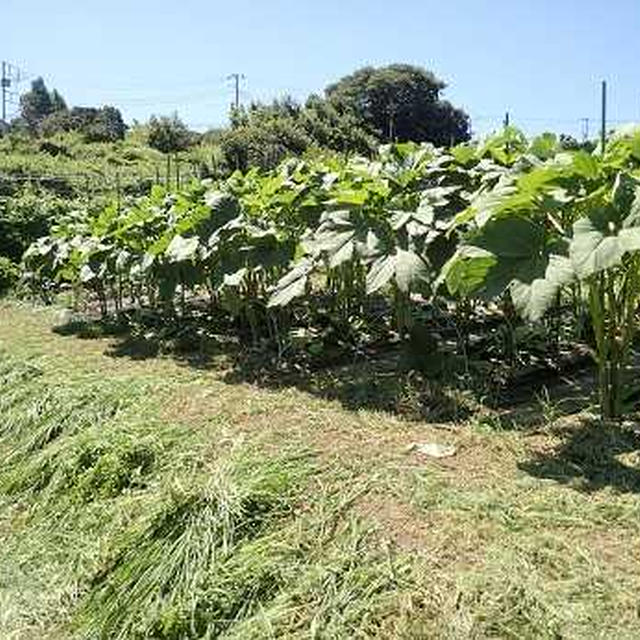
x,y
118,189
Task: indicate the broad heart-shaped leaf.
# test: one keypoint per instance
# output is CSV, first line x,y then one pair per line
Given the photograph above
x,y
381,273
340,235
607,233
626,198
486,201
518,246
224,207
466,271
292,285
181,249
530,192
411,270
267,250
407,269
595,246
533,299
504,250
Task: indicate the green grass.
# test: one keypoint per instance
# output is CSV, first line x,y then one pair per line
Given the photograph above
x,y
145,498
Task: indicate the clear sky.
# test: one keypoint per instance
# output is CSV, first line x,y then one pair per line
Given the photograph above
x,y
542,60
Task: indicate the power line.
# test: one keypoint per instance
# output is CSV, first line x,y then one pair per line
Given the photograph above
x,y
204,81
192,97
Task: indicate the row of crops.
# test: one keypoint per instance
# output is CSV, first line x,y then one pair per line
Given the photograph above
x,y
522,227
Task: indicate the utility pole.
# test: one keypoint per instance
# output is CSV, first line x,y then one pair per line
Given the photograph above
x,y
392,121
603,131
585,129
506,119
236,77
10,77
6,83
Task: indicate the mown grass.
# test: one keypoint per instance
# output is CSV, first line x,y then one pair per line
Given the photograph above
x,y
152,499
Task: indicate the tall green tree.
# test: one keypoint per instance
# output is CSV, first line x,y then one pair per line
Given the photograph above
x,y
107,126
169,134
263,134
39,102
57,101
95,125
400,102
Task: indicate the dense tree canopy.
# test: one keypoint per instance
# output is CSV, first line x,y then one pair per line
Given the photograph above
x,y
168,134
39,102
262,134
46,112
95,125
400,102
334,129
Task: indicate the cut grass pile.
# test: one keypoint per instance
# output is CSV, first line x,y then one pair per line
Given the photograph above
x,y
148,499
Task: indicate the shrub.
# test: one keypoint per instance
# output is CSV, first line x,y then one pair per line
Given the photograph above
x,y
26,217
169,134
95,125
8,275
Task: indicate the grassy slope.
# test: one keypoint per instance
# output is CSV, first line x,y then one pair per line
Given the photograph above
x,y
97,166
148,498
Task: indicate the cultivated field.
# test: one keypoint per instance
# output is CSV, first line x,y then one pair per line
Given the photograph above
x,y
144,495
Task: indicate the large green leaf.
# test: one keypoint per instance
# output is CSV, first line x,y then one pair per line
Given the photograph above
x,y
411,270
596,244
224,207
381,273
503,251
609,231
466,271
544,146
407,269
292,285
181,249
532,299
339,237
518,247
625,197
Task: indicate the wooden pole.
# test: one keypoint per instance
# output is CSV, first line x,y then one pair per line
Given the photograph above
x,y
603,130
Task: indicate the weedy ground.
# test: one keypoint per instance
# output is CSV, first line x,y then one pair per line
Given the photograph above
x,y
147,497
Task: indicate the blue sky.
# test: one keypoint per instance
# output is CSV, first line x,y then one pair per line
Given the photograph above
x,y
542,60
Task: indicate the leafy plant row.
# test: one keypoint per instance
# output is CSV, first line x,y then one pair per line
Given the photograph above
x,y
526,224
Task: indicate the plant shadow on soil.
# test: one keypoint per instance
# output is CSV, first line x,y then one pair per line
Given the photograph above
x,y
588,456
591,456
377,379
